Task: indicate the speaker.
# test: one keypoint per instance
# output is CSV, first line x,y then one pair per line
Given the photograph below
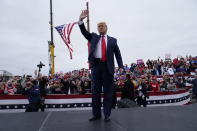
x,y
126,103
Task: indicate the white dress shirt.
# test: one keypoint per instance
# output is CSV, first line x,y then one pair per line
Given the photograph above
x,y
98,50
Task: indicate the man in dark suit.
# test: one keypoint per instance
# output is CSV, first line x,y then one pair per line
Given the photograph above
x,y
101,59
194,83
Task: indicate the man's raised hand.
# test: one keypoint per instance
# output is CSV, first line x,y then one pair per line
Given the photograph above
x,y
83,15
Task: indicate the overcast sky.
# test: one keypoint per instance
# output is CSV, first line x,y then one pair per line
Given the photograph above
x,y
144,29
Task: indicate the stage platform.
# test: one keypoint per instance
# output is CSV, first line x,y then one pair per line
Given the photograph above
x,y
170,118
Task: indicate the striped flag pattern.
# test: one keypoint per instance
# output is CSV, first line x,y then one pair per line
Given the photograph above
x,y
65,31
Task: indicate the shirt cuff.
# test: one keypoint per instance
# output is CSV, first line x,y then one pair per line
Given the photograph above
x,y
80,22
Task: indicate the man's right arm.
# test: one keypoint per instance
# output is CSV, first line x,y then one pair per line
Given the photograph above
x,y
85,33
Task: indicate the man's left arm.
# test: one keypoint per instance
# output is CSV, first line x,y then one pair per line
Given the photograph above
x,y
118,55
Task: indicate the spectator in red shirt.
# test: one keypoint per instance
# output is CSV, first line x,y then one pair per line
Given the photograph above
x,y
155,85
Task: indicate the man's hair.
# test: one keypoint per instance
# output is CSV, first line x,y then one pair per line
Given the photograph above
x,y
103,23
128,76
35,82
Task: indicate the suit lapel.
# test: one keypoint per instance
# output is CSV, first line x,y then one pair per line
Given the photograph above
x,y
108,43
96,42
98,38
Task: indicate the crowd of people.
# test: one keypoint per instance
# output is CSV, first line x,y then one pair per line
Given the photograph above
x,y
160,75
156,75
134,82
75,82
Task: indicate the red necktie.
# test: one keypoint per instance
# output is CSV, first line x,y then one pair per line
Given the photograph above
x,y
103,48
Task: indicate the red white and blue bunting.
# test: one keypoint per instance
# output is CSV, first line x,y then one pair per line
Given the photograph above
x,y
180,97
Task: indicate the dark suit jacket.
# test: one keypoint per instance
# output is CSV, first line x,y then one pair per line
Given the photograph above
x,y
112,48
194,82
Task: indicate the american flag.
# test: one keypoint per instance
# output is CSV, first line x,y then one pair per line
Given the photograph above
x,y
65,31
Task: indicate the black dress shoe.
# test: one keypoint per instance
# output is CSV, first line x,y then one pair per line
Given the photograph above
x,y
94,118
107,119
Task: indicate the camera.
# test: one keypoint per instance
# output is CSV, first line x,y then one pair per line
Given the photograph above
x,y
40,66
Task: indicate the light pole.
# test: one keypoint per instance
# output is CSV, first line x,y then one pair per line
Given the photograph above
x,y
51,44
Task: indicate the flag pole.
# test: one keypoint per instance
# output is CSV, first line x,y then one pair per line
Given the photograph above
x,y
51,20
88,29
88,18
